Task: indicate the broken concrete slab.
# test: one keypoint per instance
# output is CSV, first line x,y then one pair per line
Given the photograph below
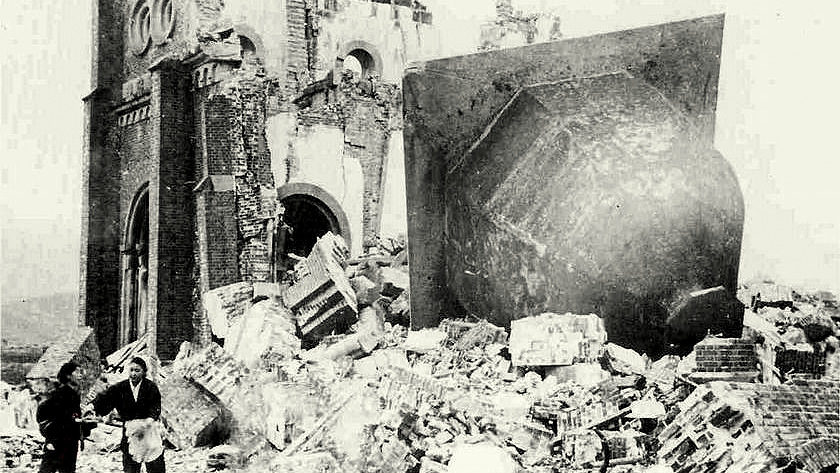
x,y
620,360
551,339
78,346
192,419
226,303
266,325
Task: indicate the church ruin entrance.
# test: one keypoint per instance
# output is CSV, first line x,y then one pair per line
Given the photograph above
x,y
308,219
308,213
134,313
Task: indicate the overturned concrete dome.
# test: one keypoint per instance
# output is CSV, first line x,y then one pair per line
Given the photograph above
x,y
576,176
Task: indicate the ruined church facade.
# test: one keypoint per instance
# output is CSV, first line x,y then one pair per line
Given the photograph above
x,y
223,136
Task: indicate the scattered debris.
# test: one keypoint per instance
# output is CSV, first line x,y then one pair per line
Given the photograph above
x,y
552,395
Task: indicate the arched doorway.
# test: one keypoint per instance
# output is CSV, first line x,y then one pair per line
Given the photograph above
x,y
135,283
309,213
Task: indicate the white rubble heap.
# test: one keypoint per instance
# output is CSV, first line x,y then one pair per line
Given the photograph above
x,y
470,396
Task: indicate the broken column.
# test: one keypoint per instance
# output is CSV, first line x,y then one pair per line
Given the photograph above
x,y
321,298
78,346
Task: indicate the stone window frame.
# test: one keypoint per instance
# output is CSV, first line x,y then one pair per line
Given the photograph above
x,y
162,20
370,49
322,197
139,26
150,22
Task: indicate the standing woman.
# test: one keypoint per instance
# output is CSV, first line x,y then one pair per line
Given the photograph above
x,y
56,418
134,398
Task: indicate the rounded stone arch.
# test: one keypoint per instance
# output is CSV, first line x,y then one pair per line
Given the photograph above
x,y
133,225
134,309
366,53
246,33
313,208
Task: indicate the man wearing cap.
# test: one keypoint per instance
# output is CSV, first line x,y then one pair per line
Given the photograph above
x,y
134,398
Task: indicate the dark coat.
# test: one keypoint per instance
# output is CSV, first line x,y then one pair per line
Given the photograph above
x,y
119,397
56,416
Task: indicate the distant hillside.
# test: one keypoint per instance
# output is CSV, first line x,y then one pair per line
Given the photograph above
x,y
37,320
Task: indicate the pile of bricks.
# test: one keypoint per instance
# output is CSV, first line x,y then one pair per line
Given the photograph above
x,y
752,427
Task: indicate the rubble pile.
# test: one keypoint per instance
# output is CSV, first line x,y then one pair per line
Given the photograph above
x,y
549,394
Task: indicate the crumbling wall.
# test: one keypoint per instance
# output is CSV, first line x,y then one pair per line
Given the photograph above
x,y
514,26
393,33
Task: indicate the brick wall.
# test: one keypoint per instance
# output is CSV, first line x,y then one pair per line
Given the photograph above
x,y
297,45
175,217
726,355
99,259
801,362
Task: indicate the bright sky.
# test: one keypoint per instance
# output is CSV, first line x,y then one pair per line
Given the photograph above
x,y
776,125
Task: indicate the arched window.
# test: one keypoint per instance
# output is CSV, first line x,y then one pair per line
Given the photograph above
x,y
162,20
360,63
139,25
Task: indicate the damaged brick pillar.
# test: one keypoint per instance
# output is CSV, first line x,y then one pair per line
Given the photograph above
x,y
366,139
216,227
171,229
100,236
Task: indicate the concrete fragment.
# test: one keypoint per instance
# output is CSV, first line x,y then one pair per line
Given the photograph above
x,y
366,291
794,336
394,282
556,339
322,298
646,409
266,325
423,341
226,303
620,360
78,346
192,419
584,374
483,457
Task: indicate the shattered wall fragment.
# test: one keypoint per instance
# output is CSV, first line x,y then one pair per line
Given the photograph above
x,y
78,346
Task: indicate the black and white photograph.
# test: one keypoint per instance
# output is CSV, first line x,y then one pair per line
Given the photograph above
x,y
419,236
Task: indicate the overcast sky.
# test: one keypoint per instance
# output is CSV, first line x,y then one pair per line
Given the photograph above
x,y
776,124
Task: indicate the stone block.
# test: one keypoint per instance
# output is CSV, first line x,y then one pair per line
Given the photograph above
x,y
394,282
78,346
191,418
551,339
226,303
322,298
264,326
620,360
366,291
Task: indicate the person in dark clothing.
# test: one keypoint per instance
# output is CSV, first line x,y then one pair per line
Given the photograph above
x,y
134,398
56,418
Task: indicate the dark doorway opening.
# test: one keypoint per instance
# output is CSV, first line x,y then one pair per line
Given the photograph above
x,y
307,219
